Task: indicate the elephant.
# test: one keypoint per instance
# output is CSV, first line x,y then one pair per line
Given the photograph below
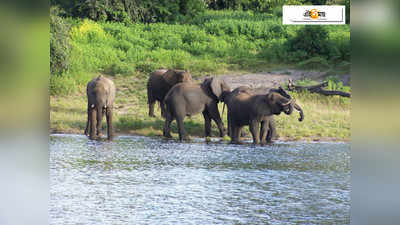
x,y
187,99
260,108
267,123
100,95
160,82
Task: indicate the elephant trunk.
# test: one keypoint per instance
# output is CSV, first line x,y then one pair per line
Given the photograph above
x,y
297,107
288,107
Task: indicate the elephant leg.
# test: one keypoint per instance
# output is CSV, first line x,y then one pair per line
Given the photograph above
x,y
229,124
207,123
99,119
110,134
214,114
264,131
151,101
87,121
254,129
271,131
235,139
162,106
93,114
181,129
167,126
151,107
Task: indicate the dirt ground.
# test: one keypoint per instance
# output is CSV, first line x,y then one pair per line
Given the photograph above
x,y
265,80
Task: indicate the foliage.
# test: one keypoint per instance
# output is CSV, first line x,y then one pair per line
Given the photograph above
x,y
62,85
308,42
128,11
254,5
213,43
336,85
59,43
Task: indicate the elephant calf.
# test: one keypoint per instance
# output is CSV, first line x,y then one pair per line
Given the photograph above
x,y
160,82
187,99
100,94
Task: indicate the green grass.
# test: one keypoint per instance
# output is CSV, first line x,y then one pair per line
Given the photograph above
x,y
326,117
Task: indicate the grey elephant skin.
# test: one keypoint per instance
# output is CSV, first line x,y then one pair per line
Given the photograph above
x,y
160,82
187,99
100,95
268,129
246,108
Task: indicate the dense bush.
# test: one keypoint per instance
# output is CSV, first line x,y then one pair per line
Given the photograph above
x,y
308,42
128,11
254,5
59,43
310,45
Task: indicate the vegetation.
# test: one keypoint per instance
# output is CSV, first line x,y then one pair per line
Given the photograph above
x,y
121,43
215,42
129,11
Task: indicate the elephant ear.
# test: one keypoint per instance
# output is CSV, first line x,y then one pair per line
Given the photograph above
x,y
171,77
216,87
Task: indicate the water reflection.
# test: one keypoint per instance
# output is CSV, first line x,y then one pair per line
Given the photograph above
x,y
139,180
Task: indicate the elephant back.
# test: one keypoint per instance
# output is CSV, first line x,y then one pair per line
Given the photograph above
x,y
173,77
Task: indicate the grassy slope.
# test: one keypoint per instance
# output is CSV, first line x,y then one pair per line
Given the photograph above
x,y
326,118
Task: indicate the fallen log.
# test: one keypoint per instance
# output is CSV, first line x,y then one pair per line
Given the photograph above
x,y
316,89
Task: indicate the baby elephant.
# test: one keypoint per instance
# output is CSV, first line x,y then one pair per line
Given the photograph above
x,y
100,94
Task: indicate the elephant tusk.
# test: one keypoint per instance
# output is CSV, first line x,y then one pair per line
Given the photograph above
x,y
287,103
92,106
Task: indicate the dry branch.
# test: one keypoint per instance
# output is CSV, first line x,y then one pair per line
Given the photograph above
x,y
316,89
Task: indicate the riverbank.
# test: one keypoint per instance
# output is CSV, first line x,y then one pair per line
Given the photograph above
x,y
327,118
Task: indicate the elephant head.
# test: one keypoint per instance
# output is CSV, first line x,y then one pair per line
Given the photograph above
x,y
281,91
173,77
279,104
216,87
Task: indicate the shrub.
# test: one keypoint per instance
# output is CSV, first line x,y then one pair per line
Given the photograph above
x,y
119,68
131,11
275,50
59,43
62,85
308,42
88,32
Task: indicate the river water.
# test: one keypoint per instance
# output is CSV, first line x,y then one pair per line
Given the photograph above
x,y
141,180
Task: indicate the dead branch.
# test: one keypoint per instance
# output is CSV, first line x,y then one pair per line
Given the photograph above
x,y
316,89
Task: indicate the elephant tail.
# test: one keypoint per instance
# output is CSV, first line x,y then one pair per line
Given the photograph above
x,y
150,98
223,110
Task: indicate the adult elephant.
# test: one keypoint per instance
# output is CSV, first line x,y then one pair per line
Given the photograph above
x,y
160,82
259,110
100,95
268,129
187,99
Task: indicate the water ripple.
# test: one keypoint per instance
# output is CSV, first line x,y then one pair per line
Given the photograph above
x,y
140,180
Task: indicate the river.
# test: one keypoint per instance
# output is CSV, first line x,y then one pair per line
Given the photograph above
x,y
141,180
